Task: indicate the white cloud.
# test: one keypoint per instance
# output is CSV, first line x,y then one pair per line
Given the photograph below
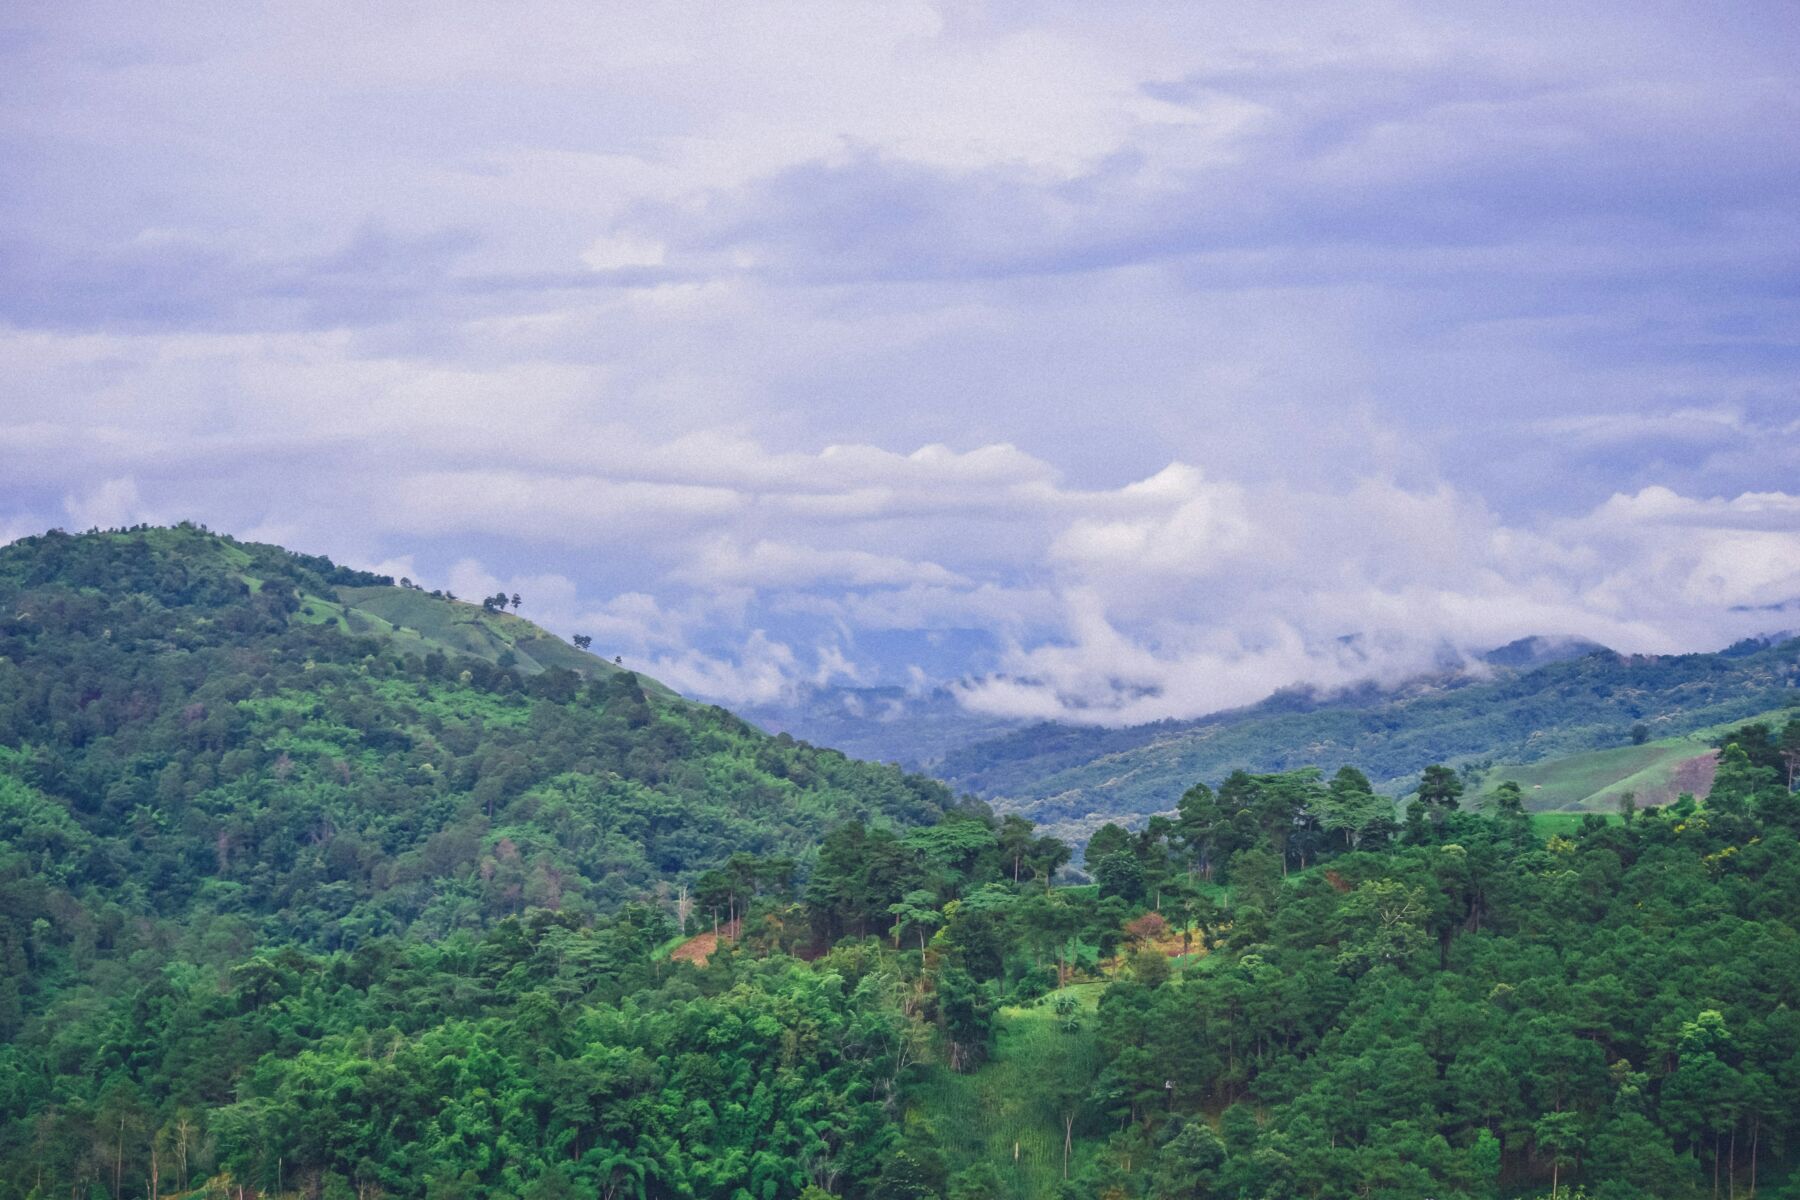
x,y
787,566
113,504
758,671
623,250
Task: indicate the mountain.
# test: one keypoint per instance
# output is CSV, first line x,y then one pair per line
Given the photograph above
x,y
920,727
268,734
915,728
1539,651
1072,779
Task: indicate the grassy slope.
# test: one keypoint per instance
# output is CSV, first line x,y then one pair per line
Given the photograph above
x,y
1655,772
415,621
420,623
1011,1101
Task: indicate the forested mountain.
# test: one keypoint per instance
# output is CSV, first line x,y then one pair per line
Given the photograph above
x,y
1074,778
217,721
921,727
916,729
295,905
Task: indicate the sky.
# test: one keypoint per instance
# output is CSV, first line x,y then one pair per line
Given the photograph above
x,y
1108,362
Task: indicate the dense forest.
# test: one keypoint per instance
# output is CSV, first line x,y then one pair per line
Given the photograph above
x,y
296,907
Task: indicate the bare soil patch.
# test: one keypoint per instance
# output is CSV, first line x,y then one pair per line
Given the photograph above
x,y
701,947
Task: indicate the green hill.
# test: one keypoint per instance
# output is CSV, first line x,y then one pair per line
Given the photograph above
x,y
329,746
419,622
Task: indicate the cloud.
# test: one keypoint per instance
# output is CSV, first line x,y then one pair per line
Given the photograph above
x,y
787,566
113,504
1118,361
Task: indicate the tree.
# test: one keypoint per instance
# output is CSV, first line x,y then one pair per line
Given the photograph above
x,y
1047,856
1015,841
979,1182
516,601
1382,921
1509,800
1350,806
582,641
1790,750
1560,1135
967,1012
1108,839
1196,827
1121,874
1070,1096
1189,1163
1440,790
919,909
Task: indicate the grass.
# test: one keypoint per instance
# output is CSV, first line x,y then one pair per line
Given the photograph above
x,y
1561,824
1582,781
1656,771
1007,1113
419,623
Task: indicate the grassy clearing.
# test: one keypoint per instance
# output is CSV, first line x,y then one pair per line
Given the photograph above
x,y
1579,780
1656,772
1007,1112
1561,824
419,623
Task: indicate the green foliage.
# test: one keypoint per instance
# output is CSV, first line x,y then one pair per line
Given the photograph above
x,y
288,908
1012,1116
1479,1009
369,907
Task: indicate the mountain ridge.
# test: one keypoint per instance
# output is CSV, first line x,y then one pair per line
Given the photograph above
x,y
1072,778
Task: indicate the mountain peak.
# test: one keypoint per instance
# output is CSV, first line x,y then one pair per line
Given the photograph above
x,y
188,567
1540,650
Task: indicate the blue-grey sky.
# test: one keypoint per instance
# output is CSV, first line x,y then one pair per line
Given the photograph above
x,y
1123,361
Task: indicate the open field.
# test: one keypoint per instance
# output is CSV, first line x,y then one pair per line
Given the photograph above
x,y
1655,772
420,623
1008,1112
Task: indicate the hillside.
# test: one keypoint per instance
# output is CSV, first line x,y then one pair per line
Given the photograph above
x,y
1073,778
1656,771
266,734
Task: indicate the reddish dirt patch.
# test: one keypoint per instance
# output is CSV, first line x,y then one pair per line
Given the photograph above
x,y
701,947
1695,775
1338,882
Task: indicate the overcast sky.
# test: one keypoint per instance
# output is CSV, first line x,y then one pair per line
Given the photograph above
x,y
1123,361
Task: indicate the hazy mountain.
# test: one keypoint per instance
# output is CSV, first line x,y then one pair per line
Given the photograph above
x,y
887,724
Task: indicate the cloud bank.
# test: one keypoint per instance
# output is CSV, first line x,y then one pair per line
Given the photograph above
x,y
1169,596
1118,362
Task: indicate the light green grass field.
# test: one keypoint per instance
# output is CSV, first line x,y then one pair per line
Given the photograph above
x,y
420,623
1655,772
1562,824
1584,781
1010,1104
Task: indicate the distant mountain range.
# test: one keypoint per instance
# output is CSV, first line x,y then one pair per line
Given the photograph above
x,y
1532,700
1071,779
915,728
920,727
